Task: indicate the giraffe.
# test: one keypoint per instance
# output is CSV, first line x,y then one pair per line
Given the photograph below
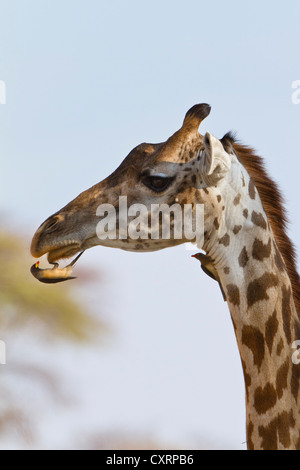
x,y
245,248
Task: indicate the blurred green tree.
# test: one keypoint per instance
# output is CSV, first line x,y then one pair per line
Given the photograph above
x,y
51,311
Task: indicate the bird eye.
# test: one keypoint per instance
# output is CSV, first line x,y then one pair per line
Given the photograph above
x,y
157,183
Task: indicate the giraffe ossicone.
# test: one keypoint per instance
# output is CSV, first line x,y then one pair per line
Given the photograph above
x,y
246,249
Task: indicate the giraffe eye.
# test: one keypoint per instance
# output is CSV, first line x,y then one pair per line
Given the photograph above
x,y
157,183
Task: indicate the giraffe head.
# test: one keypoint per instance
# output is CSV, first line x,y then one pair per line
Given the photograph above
x,y
187,169
176,172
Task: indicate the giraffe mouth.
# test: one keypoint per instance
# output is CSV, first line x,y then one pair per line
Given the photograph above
x,y
63,252
59,249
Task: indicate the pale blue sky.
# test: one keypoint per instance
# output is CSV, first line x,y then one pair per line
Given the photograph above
x,y
87,81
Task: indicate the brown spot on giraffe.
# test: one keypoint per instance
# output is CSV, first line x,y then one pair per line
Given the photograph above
x,y
225,240
226,270
251,189
277,432
219,198
247,379
216,223
245,213
257,289
286,312
253,339
243,258
233,294
259,220
260,250
285,423
237,199
295,381
250,429
237,229
269,435
271,330
280,347
265,398
281,378
191,154
297,328
278,258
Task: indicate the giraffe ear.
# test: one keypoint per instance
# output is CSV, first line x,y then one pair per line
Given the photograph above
x,y
216,161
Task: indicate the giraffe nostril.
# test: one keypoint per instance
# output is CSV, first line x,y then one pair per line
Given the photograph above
x,y
50,225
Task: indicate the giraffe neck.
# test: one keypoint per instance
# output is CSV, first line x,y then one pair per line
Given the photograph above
x,y
266,325
258,289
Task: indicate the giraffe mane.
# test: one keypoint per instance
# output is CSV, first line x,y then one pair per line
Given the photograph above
x,y
274,206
